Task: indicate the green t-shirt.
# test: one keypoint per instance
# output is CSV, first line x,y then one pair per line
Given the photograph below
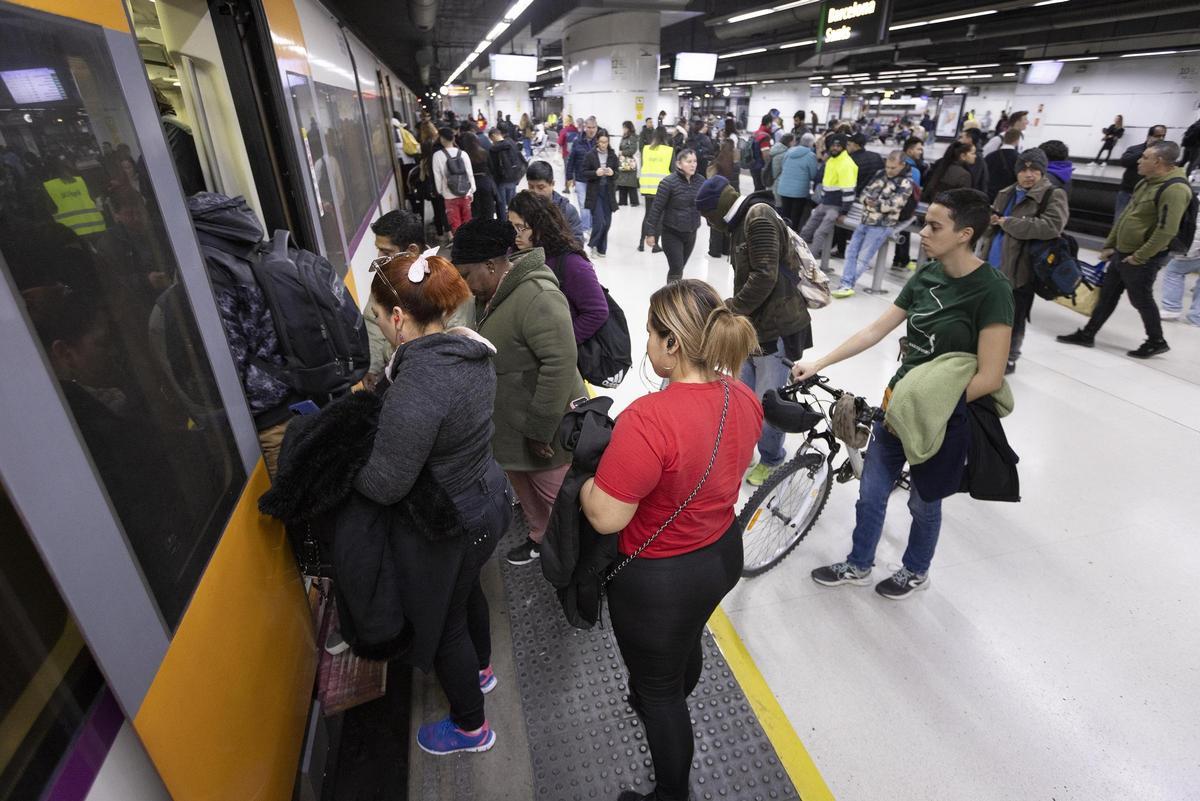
x,y
945,315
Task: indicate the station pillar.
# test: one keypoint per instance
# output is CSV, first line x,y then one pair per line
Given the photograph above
x,y
610,69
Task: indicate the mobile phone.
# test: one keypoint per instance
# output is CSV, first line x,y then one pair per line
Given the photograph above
x,y
304,407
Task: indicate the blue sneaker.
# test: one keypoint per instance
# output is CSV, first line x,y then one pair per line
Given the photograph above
x,y
487,680
443,737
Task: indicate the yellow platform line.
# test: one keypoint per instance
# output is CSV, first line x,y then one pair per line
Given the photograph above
x,y
792,753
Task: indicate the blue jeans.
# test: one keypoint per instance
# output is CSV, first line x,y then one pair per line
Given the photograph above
x,y
1123,199
585,216
884,461
504,196
763,373
601,222
1172,288
860,253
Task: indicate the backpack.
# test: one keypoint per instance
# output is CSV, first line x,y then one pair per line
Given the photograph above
x,y
606,357
409,143
512,166
768,174
1186,236
746,153
804,270
458,177
1054,263
322,336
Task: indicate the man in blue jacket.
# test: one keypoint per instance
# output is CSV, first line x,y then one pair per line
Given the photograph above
x,y
539,177
583,145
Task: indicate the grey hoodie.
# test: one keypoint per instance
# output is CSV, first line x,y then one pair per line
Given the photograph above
x,y
436,412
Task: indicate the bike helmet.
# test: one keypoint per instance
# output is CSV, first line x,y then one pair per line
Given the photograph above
x,y
790,416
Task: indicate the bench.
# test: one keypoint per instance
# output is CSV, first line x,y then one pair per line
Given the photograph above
x,y
850,223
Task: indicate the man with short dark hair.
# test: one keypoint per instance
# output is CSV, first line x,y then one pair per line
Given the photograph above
x,y
914,153
399,231
1018,120
837,193
506,164
1002,165
869,162
539,177
646,134
1139,245
1129,160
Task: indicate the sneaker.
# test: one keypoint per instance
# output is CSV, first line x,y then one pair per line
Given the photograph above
x,y
843,292
902,584
1169,316
487,680
911,266
524,553
1010,368
443,737
1080,337
1149,348
335,643
599,254
642,248
656,249
760,473
841,573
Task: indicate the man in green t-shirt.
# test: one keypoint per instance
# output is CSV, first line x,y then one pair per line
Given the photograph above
x,y
955,303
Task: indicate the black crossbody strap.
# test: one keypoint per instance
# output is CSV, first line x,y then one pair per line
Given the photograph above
x,y
711,461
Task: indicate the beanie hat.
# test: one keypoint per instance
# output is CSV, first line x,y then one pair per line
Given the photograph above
x,y
1033,157
709,193
479,240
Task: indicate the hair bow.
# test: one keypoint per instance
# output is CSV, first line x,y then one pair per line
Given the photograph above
x,y
420,266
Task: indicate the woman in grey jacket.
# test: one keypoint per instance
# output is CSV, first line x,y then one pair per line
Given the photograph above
x,y
436,419
1032,208
673,215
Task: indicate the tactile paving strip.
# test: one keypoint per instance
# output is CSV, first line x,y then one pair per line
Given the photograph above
x,y
585,742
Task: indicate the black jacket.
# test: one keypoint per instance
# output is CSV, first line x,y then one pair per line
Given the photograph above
x,y
393,567
1002,170
596,184
1129,160
575,557
869,164
991,473
674,205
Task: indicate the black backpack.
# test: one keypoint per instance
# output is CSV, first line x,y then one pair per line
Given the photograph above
x,y
1186,235
512,165
1054,263
458,177
607,356
322,336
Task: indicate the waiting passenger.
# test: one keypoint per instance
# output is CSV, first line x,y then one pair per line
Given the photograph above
x,y
599,170
1018,120
837,193
507,166
1139,245
971,312
1032,208
673,219
1059,168
952,170
668,483
437,418
883,199
455,184
397,232
527,317
483,197
538,224
798,171
1002,165
539,179
627,177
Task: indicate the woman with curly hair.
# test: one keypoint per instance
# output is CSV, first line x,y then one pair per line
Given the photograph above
x,y
539,224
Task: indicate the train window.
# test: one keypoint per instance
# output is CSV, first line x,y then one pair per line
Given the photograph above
x,y
83,240
299,87
339,146
50,681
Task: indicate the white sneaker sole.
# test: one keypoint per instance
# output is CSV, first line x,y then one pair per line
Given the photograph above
x,y
486,745
858,582
924,585
487,688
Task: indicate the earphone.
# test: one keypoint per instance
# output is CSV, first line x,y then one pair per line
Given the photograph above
x,y
670,342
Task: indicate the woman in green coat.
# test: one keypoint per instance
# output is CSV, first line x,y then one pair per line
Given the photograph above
x,y
525,315
627,176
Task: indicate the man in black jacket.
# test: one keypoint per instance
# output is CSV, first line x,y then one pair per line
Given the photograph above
x,y
1129,160
1002,165
869,164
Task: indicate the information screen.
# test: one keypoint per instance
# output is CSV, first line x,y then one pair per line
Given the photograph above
x,y
509,67
850,24
37,85
1043,72
695,66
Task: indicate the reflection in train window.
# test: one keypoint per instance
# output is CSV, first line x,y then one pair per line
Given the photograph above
x,y
49,681
300,90
82,237
339,148
379,129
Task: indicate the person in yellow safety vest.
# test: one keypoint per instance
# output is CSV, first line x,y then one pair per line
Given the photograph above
x,y
657,161
73,204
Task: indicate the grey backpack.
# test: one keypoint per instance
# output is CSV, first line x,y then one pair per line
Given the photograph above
x,y
458,177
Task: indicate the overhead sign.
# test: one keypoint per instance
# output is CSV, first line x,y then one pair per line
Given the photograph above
x,y
849,24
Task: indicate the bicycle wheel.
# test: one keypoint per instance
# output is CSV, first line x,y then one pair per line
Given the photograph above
x,y
781,513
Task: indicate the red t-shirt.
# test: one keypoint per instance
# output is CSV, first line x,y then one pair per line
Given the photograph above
x,y
659,449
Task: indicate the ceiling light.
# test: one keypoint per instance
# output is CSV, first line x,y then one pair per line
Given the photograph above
x,y
940,20
762,12
498,29
1049,3
804,43
1081,58
981,66
906,25
740,53
891,72
548,69
516,8
1154,53
1009,75
664,66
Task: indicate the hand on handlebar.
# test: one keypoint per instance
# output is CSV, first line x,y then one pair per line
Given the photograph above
x,y
802,371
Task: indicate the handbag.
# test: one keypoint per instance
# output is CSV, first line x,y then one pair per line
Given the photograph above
x,y
628,164
712,460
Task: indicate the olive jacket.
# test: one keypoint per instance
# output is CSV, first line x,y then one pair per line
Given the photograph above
x,y
758,238
1022,224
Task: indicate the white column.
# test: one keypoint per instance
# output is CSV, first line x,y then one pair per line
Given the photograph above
x,y
610,69
512,98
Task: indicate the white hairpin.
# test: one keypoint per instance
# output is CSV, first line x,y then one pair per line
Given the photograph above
x,y
420,267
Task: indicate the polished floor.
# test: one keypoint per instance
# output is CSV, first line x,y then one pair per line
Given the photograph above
x,y
1056,654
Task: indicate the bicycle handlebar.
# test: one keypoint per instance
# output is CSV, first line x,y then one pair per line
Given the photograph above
x,y
867,414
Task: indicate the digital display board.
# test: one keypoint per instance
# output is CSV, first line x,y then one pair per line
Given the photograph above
x,y
37,85
1043,72
509,67
848,24
695,66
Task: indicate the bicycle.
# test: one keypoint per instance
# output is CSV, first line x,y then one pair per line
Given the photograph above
x,y
780,514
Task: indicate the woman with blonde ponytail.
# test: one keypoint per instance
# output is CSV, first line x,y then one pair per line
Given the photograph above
x,y
668,483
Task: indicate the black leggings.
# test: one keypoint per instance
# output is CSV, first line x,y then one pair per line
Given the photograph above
x,y
678,246
1106,147
627,196
658,609
794,209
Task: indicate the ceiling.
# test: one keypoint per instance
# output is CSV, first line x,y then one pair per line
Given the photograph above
x,y
1016,30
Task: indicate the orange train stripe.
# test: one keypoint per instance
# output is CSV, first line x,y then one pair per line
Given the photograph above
x,y
225,716
107,13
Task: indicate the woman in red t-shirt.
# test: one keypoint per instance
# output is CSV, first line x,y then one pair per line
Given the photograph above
x,y
662,448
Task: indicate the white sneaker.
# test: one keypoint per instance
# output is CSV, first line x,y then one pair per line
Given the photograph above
x,y
1169,316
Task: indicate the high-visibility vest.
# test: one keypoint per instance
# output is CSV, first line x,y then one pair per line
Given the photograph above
x,y
656,165
74,206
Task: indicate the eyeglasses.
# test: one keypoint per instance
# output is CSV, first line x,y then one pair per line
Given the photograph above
x,y
377,266
520,228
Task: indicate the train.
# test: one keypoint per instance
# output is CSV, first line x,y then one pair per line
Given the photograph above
x,y
156,636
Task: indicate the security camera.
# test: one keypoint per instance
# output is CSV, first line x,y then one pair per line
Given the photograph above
x,y
971,32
